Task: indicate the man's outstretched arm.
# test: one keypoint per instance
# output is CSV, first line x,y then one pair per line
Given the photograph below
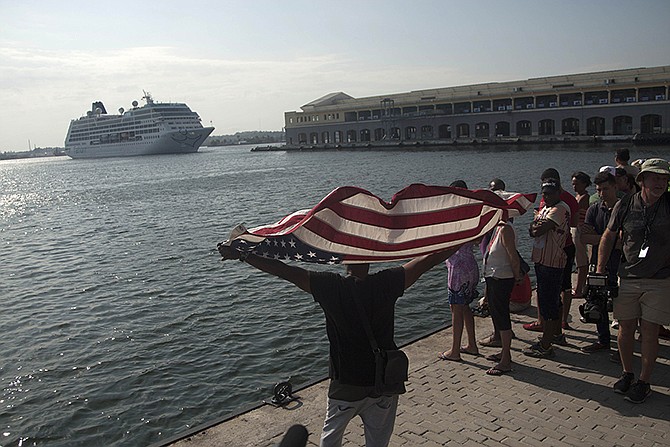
x,y
418,266
295,275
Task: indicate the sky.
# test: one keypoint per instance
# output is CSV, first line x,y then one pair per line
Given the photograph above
x,y
242,64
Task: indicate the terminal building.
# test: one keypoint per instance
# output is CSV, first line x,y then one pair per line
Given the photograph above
x,y
607,105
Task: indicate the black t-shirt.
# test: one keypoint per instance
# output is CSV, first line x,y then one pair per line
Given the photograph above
x,y
351,358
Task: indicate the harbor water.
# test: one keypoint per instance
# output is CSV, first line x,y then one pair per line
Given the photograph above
x,y
120,326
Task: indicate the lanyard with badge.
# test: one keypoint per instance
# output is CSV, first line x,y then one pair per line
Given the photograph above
x,y
647,229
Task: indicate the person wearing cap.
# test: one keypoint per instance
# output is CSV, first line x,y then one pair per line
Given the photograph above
x,y
643,222
595,222
549,230
569,248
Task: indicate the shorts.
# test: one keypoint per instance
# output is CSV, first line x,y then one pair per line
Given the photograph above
x,y
643,298
465,295
548,290
581,253
567,271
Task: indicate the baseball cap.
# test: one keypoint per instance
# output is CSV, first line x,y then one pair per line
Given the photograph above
x,y
608,169
550,184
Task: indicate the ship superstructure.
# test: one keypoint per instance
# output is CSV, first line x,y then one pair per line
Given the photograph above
x,y
154,128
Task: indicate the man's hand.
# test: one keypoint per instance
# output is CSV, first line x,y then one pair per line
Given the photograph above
x,y
227,252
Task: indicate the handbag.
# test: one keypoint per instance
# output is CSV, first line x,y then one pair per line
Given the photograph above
x,y
391,365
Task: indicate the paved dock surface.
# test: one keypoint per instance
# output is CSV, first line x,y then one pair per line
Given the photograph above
x,y
563,401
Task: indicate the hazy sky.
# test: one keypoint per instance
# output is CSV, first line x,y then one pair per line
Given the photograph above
x,y
242,64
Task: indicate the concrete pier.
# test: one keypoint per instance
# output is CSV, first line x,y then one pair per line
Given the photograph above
x,y
567,400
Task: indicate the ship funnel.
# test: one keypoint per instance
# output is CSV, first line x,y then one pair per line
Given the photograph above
x,y
98,105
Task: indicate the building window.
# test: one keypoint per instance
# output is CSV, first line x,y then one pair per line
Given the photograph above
x,y
302,138
365,135
325,137
380,134
337,136
314,138
351,136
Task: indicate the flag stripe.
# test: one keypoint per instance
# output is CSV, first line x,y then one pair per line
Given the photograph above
x,y
353,225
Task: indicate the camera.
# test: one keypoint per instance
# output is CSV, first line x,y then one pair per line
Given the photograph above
x,y
597,295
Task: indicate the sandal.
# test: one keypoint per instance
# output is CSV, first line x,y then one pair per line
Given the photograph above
x,y
535,326
495,371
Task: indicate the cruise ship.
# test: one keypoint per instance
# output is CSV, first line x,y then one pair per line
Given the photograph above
x,y
154,128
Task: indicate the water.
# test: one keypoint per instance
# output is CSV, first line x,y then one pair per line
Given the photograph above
x,y
120,326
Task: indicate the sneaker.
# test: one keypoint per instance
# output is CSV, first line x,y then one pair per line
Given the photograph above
x,y
595,347
638,392
558,340
622,385
534,326
538,351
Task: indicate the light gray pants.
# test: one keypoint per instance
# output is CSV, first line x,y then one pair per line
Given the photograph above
x,y
377,413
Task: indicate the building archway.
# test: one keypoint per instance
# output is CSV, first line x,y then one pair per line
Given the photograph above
x,y
524,128
622,125
302,138
426,132
325,137
482,130
651,124
595,126
365,135
380,134
546,127
338,136
351,136
463,130
444,131
395,133
570,126
314,138
410,133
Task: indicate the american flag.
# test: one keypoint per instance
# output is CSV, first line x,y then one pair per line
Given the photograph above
x,y
351,225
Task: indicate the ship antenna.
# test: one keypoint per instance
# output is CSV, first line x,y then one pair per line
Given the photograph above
x,y
147,97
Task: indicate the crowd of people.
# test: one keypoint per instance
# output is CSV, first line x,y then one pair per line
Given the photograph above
x,y
625,227
621,234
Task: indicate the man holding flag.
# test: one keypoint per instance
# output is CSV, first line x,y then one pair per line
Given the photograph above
x,y
353,227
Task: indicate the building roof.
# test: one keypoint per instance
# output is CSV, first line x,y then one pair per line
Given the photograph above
x,y
601,80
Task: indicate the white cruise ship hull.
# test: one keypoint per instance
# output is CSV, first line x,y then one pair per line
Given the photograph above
x,y
176,142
